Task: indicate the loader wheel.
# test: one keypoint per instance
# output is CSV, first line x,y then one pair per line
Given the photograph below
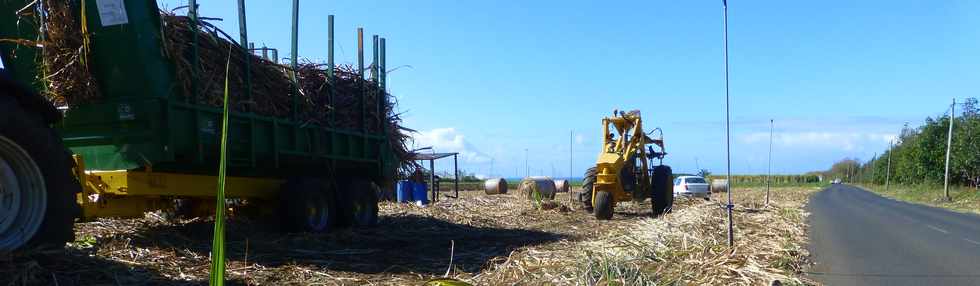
x,y
662,195
603,205
308,206
37,186
586,195
359,203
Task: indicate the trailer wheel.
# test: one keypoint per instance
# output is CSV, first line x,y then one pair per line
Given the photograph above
x,y
603,205
359,203
308,206
586,195
662,195
37,186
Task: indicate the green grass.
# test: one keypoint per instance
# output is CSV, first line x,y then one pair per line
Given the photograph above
x,y
963,199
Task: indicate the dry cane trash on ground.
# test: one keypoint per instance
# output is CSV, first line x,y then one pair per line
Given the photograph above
x,y
493,239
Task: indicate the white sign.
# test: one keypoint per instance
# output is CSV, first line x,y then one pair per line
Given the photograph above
x,y
112,12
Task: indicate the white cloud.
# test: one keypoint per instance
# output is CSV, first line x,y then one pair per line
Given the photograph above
x,y
846,141
450,140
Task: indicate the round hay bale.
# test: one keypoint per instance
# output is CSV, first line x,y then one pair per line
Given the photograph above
x,y
719,186
562,186
544,187
495,186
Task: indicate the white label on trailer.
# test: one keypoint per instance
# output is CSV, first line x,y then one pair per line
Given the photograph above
x,y
125,112
112,12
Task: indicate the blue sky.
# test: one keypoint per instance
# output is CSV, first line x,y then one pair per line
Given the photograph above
x,y
493,78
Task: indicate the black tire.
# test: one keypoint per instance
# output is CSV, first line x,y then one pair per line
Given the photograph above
x,y
31,132
307,206
358,203
662,195
586,195
603,205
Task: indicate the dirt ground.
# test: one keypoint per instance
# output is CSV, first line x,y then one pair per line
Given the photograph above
x,y
482,239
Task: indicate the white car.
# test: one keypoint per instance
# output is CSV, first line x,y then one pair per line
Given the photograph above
x,y
692,186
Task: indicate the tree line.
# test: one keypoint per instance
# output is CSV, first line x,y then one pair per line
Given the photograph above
x,y
918,155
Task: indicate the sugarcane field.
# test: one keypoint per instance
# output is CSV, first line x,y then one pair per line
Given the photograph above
x,y
445,143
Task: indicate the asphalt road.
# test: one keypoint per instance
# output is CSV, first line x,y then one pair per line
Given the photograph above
x,y
860,238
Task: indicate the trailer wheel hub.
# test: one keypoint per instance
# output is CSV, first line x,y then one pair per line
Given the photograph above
x,y
23,197
318,213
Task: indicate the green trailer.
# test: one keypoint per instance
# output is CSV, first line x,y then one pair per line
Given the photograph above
x,y
142,146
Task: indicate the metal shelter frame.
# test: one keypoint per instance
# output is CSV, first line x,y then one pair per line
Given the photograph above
x,y
432,157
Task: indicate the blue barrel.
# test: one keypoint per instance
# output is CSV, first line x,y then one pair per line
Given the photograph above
x,y
403,190
419,193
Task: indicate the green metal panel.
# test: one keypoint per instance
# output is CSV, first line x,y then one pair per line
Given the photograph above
x,y
19,60
128,59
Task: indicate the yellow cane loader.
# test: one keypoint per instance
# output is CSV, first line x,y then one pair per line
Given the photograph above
x,y
625,169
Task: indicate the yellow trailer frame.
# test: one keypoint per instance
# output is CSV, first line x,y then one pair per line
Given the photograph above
x,y
130,193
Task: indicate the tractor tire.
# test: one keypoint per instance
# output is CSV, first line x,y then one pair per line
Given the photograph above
x,y
603,205
307,206
585,196
42,209
358,203
662,195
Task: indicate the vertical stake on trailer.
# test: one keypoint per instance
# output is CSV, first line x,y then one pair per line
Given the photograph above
x,y
728,140
195,85
195,73
294,49
382,84
374,60
360,73
330,66
949,145
243,31
374,76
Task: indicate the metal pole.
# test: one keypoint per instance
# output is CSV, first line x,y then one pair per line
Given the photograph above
x,y
360,73
949,145
456,173
374,62
432,178
570,145
381,71
295,57
379,97
527,171
728,140
243,30
888,168
330,66
874,161
195,57
769,174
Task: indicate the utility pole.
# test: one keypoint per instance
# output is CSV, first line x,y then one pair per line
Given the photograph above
x,y
874,160
728,138
769,174
949,145
888,169
570,135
